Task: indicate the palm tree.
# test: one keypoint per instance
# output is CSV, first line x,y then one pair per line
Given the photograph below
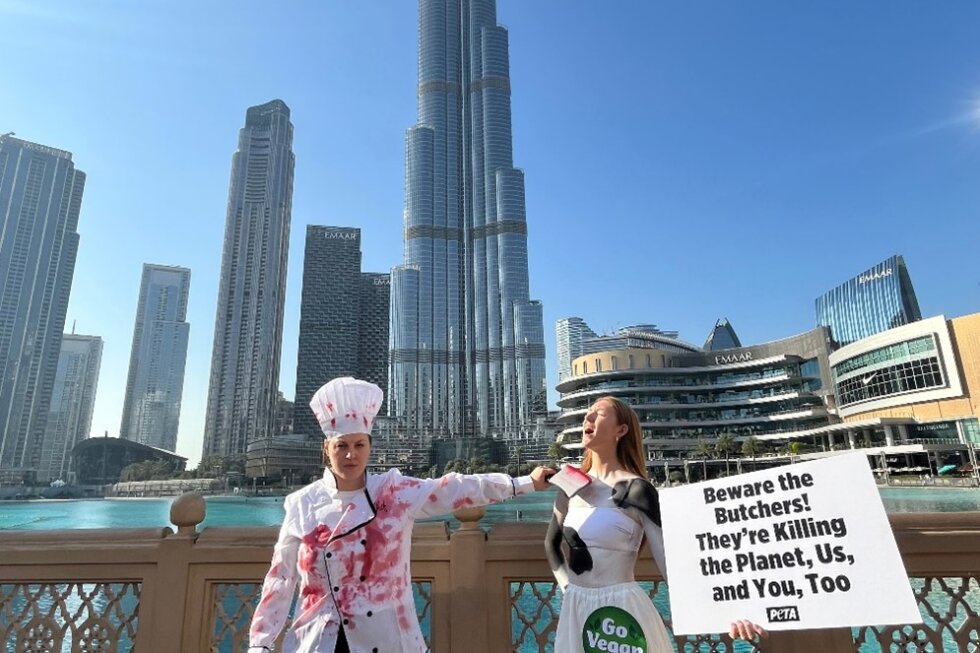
x,y
751,447
703,450
555,452
725,446
794,448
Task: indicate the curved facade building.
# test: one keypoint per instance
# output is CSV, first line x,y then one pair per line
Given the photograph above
x,y
473,361
779,388
574,338
100,461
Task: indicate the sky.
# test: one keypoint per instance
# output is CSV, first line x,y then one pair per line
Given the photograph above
x,y
684,161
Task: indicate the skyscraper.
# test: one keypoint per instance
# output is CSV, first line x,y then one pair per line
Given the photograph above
x,y
722,336
373,329
467,345
151,409
569,334
343,326
876,300
248,327
72,401
40,199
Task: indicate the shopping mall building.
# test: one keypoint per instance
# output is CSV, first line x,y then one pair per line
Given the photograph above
x,y
906,395
780,387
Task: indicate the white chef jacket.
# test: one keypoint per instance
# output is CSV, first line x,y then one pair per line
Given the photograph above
x,y
352,561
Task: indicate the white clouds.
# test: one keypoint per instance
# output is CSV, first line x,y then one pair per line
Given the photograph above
x,y
968,117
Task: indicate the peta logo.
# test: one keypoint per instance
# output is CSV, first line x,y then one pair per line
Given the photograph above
x,y
782,615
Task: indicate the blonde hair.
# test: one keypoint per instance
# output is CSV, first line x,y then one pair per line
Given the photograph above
x,y
629,448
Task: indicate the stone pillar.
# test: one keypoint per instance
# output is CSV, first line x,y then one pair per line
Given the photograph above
x,y
172,584
467,563
889,436
850,439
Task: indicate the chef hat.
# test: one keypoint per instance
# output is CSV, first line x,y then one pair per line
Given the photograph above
x,y
346,405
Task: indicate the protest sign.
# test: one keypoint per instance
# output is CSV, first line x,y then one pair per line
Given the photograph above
x,y
798,546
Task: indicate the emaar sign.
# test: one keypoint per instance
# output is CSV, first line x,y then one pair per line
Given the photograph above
x,y
874,275
723,359
340,235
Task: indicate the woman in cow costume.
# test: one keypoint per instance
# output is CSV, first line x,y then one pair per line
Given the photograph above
x,y
602,527
346,539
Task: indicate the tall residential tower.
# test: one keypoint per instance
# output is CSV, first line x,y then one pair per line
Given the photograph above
x,y
467,342
343,324
151,409
569,334
72,401
40,199
244,384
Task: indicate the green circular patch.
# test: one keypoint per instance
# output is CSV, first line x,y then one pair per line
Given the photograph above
x,y
612,630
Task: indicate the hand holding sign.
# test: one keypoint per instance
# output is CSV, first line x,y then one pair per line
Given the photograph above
x,y
800,546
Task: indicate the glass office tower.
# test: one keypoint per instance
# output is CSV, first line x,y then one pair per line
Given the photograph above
x,y
155,384
467,342
72,403
876,300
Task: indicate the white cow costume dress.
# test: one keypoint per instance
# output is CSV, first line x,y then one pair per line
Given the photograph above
x,y
602,527
349,551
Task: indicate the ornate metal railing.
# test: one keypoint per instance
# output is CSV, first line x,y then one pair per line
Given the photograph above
x,y
156,591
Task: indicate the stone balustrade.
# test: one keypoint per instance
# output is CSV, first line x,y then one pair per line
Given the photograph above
x,y
160,591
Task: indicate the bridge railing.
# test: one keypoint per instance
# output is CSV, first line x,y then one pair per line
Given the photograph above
x,y
160,591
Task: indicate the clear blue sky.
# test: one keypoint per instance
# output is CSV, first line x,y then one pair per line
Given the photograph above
x,y
684,161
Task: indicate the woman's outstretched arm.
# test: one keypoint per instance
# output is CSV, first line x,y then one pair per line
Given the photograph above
x,y
439,496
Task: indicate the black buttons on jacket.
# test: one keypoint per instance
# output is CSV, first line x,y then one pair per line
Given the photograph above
x,y
363,578
374,650
346,621
370,613
336,589
329,555
364,542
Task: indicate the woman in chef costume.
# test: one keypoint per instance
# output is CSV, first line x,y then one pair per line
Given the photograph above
x,y
346,538
595,535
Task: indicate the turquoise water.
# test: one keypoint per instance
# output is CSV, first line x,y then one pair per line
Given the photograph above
x,y
267,511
